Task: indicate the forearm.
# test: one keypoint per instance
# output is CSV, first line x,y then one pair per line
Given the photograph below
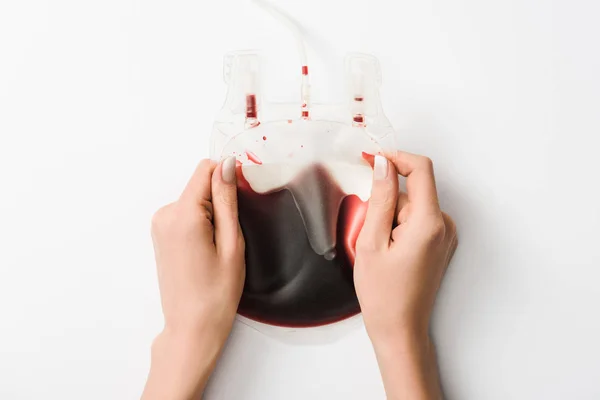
x,y
181,364
408,367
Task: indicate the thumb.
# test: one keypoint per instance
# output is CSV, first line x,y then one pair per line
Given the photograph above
x,y
225,206
376,231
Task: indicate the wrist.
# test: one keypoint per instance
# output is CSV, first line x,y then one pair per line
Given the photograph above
x,y
181,363
400,341
184,343
408,366
399,333
194,329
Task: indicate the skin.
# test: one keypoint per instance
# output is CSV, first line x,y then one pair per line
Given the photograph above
x,y
199,251
397,273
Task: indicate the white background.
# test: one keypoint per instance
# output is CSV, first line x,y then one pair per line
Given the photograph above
x,y
106,107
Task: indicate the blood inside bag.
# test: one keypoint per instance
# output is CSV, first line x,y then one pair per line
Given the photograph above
x,y
300,240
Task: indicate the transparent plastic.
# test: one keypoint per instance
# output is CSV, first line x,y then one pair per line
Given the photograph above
x,y
304,175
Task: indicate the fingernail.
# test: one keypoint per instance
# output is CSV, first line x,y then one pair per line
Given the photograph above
x,y
228,170
380,168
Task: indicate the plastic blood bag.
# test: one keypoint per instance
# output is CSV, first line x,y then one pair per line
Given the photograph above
x,y
304,177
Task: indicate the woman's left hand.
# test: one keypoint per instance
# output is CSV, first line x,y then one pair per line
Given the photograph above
x,y
199,251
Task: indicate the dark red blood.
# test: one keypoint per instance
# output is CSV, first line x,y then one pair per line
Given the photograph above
x,y
264,138
253,157
358,98
305,70
251,106
304,114
359,118
287,283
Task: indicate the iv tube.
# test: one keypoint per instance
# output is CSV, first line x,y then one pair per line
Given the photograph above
x,y
305,88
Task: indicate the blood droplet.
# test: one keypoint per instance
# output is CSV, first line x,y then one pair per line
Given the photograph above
x,y
370,158
264,138
253,157
305,70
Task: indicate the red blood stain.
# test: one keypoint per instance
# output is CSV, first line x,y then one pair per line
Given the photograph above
x,y
353,213
289,121
359,118
251,106
304,114
358,98
305,70
264,138
253,157
370,158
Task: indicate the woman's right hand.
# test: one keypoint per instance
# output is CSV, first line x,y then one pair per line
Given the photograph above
x,y
398,271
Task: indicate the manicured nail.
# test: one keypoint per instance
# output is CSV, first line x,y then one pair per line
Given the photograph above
x,y
228,170
380,168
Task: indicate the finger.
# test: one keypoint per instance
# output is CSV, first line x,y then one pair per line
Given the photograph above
x,y
420,180
197,189
225,206
402,208
381,209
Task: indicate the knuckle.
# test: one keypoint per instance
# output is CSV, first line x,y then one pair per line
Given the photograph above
x,y
162,218
435,230
450,225
176,219
427,163
205,164
364,245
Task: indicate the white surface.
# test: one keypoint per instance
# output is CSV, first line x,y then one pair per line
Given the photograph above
x,y
105,108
